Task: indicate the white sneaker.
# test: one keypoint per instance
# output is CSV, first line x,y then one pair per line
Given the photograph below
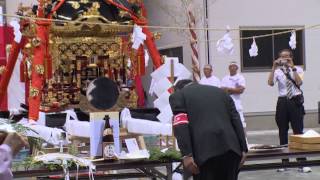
x,y
305,170
282,169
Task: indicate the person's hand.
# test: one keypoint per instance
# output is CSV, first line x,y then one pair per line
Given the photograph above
x,y
226,89
243,159
275,63
290,62
190,165
15,142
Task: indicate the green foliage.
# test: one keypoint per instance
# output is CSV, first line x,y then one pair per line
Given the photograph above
x,y
73,149
29,163
170,155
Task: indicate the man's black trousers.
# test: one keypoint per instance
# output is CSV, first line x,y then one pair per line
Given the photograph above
x,y
223,167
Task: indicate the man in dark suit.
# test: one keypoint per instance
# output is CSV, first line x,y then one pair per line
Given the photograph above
x,y
208,130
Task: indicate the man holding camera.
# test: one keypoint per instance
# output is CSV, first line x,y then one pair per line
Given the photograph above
x,y
290,107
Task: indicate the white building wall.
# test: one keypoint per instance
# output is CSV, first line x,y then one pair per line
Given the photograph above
x,y
258,97
12,6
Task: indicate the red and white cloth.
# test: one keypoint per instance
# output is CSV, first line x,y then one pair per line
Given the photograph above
x,y
180,119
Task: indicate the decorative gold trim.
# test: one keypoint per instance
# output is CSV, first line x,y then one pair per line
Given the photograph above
x,y
67,48
110,28
34,92
39,69
157,35
74,4
36,42
94,10
2,69
84,1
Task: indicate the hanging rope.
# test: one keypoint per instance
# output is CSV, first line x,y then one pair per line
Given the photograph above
x,y
175,28
154,26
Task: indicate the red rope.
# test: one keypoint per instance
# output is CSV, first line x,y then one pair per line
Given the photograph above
x,y
56,8
136,19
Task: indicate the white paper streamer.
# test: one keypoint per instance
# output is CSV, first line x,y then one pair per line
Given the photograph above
x,y
253,51
138,37
146,58
293,41
16,30
160,86
62,159
225,44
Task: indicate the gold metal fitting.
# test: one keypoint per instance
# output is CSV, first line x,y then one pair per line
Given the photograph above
x,y
157,35
36,42
28,45
123,13
2,69
34,92
8,48
39,69
74,4
84,1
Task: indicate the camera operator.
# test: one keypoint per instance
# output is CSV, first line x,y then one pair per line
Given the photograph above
x,y
290,105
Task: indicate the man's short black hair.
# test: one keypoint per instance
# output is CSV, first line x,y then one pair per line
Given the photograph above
x,y
182,83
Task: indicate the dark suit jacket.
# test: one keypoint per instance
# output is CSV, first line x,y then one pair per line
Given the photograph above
x,y
214,123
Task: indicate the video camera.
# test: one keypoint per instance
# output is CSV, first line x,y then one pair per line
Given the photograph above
x,y
282,62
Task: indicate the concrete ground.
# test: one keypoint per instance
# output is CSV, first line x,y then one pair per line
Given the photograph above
x,y
271,137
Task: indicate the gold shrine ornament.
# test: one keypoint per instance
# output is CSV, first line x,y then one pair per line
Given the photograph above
x,y
74,4
157,35
36,42
39,69
34,92
2,69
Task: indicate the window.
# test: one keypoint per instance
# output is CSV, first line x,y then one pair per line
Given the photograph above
x,y
268,47
173,52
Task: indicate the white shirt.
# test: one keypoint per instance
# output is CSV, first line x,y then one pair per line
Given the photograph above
x,y
281,78
211,81
234,82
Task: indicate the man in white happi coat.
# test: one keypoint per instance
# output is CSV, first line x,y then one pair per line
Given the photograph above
x,y
209,78
235,84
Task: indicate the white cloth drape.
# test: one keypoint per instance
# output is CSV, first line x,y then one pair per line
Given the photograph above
x,y
16,89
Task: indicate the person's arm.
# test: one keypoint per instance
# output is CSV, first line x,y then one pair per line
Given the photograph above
x,y
181,123
181,131
5,159
240,86
237,125
223,85
237,90
271,75
297,76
